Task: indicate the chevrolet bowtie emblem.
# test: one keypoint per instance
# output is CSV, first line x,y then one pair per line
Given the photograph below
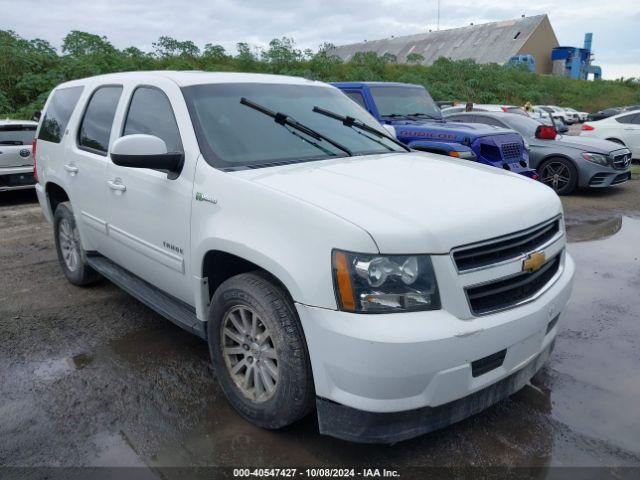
x,y
533,262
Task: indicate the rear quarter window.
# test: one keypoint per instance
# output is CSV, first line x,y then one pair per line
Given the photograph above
x,y
17,134
58,112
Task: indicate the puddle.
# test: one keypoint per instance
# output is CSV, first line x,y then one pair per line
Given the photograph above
x,y
55,369
593,229
593,375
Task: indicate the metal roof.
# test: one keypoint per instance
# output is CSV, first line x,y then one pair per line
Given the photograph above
x,y
485,43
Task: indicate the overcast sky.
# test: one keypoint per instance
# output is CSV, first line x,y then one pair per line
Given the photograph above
x,y
615,23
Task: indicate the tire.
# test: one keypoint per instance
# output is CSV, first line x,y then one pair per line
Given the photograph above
x,y
567,176
245,365
71,255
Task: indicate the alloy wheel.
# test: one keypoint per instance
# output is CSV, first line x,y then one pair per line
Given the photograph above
x,y
556,175
249,353
69,245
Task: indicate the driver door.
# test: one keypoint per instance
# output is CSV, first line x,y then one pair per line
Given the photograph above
x,y
149,213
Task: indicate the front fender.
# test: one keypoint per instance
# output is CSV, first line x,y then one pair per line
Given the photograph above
x,y
287,237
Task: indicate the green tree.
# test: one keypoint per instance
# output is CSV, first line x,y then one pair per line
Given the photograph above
x,y
415,58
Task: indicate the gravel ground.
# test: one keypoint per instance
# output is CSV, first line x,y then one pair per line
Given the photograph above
x,y
91,377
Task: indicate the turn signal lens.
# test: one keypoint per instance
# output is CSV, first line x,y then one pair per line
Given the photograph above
x,y
343,280
586,127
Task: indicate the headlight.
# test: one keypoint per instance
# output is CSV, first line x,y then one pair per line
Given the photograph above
x,y
367,283
596,158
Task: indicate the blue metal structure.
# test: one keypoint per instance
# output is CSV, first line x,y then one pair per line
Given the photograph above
x,y
577,61
494,146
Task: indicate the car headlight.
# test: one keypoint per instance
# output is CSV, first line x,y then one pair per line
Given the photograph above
x,y
596,158
367,283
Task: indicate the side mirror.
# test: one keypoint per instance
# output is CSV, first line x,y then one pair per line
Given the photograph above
x,y
146,151
546,132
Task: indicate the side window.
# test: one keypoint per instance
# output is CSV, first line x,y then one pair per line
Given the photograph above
x,y
95,128
488,121
460,118
358,98
58,113
633,118
150,113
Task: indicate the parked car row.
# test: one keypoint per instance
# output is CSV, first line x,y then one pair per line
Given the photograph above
x,y
563,162
501,136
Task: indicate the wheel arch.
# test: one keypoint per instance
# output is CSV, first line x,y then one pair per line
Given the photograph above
x,y
55,195
220,265
616,140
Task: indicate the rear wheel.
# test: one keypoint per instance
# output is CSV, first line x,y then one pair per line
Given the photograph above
x,y
559,174
259,352
71,255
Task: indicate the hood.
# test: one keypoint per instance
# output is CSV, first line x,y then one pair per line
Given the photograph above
x,y
588,144
416,202
446,131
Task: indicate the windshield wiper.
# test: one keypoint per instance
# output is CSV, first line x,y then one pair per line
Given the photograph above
x,y
421,114
353,122
285,120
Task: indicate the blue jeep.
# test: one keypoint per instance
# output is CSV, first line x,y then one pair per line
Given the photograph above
x,y
410,112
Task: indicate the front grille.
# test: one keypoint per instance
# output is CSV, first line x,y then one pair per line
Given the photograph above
x,y
510,151
490,152
622,161
508,292
486,364
505,248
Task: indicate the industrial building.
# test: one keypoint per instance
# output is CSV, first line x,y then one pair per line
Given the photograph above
x,y
528,40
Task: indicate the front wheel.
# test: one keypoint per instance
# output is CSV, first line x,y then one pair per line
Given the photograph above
x,y
559,174
258,351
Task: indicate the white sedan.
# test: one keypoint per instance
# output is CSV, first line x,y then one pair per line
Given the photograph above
x,y
623,128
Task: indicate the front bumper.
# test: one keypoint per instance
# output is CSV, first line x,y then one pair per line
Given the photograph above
x,y
385,378
355,425
598,176
16,178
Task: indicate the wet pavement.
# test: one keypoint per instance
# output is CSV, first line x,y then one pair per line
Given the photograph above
x,y
89,376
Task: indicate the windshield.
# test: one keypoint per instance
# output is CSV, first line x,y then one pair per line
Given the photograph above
x,y
525,126
405,101
17,134
233,135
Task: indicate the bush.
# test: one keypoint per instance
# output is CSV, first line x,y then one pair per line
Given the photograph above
x,y
29,69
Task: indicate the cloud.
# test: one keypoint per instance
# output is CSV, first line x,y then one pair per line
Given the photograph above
x,y
313,22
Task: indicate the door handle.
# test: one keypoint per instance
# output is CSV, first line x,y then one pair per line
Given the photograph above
x,y
116,185
72,169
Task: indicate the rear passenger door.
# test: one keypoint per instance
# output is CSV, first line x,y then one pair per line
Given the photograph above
x,y
85,164
149,213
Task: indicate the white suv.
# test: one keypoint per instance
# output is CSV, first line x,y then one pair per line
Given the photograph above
x,y
16,160
326,265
